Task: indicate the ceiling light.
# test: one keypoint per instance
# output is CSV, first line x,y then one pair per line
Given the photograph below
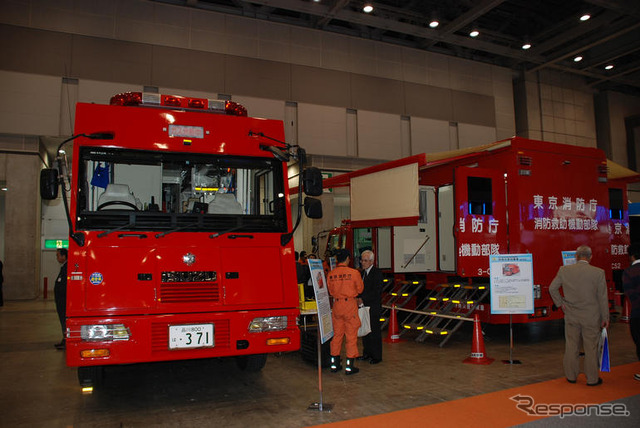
x,y
526,46
585,17
368,8
609,67
434,24
474,33
577,59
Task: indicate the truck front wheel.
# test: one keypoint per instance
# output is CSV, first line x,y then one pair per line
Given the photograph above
x,y
252,363
91,376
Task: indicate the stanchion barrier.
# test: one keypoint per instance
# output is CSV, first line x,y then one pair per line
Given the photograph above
x,y
626,310
394,335
478,355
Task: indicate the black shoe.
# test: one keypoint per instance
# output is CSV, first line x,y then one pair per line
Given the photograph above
x,y
375,361
363,357
335,364
599,382
571,381
636,376
60,346
350,369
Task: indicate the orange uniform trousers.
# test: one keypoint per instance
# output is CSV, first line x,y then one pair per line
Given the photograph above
x,y
345,326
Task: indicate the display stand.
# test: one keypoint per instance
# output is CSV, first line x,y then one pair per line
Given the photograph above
x,y
320,406
511,360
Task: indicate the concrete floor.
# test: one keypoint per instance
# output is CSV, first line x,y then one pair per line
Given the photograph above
x,y
37,389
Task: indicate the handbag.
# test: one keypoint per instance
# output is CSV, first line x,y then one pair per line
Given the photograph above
x,y
365,321
603,347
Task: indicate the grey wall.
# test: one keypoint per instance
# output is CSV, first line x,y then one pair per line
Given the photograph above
x,y
350,102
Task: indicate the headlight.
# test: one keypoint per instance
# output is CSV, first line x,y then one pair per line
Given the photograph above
x,y
268,324
104,332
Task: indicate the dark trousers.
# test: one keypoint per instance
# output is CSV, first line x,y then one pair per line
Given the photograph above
x,y
634,327
372,342
61,307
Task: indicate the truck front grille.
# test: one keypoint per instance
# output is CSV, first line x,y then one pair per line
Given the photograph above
x,y
189,292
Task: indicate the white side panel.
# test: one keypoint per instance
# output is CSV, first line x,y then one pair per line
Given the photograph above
x,y
392,193
383,248
446,241
414,247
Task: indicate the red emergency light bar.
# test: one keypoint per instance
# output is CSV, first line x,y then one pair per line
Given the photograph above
x,y
150,99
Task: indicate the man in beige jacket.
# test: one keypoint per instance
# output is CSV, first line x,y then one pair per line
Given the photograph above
x,y
586,312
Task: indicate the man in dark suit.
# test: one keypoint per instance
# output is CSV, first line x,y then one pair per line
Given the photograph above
x,y
60,294
303,275
631,284
586,313
372,297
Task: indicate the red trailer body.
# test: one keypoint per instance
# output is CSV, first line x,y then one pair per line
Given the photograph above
x,y
186,261
510,197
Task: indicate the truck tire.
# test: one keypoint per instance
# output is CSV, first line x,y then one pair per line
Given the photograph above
x,y
91,376
251,363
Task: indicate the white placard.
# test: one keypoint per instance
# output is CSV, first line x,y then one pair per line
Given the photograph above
x,y
322,299
511,283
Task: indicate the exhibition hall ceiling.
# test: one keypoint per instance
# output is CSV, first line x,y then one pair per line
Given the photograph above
x,y
603,48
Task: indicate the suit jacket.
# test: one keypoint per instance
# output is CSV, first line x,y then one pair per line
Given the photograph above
x,y
372,294
585,293
631,284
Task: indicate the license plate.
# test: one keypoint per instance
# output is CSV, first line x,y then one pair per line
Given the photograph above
x,y
190,336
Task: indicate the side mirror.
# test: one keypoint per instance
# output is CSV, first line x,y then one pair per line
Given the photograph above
x,y
313,207
49,183
312,181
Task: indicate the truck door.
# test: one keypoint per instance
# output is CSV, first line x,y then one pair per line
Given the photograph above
x,y
481,220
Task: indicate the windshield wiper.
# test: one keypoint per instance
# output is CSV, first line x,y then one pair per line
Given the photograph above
x,y
238,225
160,235
131,223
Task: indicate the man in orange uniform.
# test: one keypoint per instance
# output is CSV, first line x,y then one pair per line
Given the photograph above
x,y
345,284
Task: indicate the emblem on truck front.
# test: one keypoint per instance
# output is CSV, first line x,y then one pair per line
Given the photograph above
x,y
189,259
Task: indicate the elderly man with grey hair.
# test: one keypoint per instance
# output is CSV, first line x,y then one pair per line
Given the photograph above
x,y
586,313
372,296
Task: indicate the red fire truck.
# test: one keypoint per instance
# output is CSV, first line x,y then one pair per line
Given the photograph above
x,y
436,219
180,227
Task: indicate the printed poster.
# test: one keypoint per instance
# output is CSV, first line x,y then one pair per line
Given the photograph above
x,y
322,299
568,258
511,283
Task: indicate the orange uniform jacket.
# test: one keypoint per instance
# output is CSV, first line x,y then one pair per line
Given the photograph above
x,y
345,284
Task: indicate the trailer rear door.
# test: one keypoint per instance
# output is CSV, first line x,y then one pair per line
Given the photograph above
x,y
481,220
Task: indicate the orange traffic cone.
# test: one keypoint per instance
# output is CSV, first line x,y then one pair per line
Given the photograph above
x,y
394,335
478,355
626,309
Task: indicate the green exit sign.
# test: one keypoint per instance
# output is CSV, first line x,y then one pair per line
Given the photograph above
x,y
56,243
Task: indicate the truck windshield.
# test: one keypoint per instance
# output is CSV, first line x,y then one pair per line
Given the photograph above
x,y
164,191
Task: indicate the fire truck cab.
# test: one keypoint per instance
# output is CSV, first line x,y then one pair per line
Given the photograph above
x,y
180,227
